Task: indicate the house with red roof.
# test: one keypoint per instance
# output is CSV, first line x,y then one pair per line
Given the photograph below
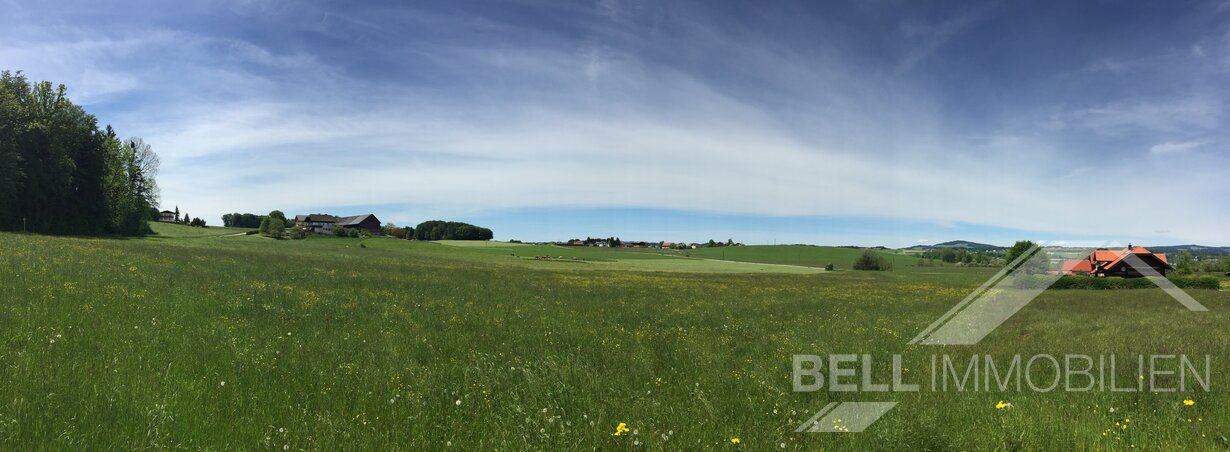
x,y
1114,263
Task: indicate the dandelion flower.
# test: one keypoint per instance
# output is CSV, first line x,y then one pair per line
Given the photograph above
x,y
1002,404
735,440
458,403
620,429
1189,402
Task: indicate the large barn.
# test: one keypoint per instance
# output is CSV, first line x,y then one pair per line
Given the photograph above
x,y
1115,263
368,223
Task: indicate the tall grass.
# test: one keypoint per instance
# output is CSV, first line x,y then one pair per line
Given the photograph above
x,y
249,343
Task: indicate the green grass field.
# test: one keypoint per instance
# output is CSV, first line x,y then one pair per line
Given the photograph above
x,y
201,339
168,230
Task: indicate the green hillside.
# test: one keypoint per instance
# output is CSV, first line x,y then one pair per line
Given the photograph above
x,y
171,230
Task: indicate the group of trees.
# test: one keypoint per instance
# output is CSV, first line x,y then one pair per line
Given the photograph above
x,y
450,230
184,219
1031,263
61,174
275,225
1185,263
395,231
242,220
342,231
959,256
871,260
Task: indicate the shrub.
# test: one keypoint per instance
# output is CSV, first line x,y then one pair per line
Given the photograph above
x,y
1095,283
829,267
1196,282
871,260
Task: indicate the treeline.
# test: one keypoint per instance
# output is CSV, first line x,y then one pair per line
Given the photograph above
x,y
61,174
450,230
395,231
961,256
1185,263
242,220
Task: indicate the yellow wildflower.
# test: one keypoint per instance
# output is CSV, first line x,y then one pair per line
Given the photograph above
x,y
620,429
735,440
1189,402
1001,405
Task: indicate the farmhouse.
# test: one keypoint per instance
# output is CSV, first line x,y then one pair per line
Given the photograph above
x,y
1114,263
323,224
317,222
166,216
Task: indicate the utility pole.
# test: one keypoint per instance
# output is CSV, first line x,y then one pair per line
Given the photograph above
x,y
23,224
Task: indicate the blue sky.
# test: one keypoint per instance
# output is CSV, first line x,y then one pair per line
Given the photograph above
x,y
870,123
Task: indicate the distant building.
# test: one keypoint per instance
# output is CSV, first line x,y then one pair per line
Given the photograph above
x,y
317,222
325,224
1114,263
166,216
367,222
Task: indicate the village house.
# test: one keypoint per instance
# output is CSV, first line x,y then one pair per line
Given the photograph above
x,y
317,222
324,224
166,216
1114,263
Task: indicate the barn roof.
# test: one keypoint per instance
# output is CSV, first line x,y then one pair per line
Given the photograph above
x,y
355,220
317,218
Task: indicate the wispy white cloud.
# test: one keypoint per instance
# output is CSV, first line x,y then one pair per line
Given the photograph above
x,y
590,120
1171,147
928,38
1167,115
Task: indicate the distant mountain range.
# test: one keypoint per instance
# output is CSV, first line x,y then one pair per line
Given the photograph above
x,y
1196,250
957,244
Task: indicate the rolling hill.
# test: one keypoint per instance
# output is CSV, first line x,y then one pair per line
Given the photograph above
x,y
957,244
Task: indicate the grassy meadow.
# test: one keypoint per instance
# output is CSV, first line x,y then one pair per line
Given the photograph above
x,y
211,339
